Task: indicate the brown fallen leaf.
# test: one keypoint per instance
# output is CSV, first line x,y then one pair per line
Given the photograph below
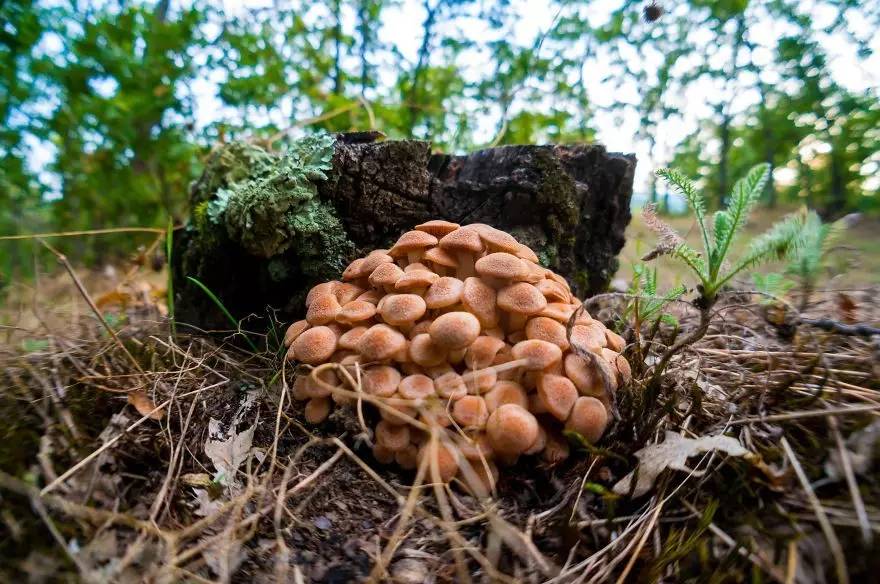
x,y
673,453
144,405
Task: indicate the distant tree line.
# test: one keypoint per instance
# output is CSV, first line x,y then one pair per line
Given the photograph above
x,y
106,93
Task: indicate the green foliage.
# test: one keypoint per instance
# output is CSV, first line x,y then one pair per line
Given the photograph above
x,y
647,305
777,243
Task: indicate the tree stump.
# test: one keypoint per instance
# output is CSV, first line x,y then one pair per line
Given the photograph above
x,y
571,204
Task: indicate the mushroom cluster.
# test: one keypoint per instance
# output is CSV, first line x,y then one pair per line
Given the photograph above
x,y
459,328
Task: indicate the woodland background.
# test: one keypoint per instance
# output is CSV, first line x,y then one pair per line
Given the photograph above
x,y
107,109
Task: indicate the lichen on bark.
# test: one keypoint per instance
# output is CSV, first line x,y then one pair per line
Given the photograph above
x,y
268,203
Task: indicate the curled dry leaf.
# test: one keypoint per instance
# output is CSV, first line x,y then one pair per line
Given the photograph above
x,y
144,405
673,453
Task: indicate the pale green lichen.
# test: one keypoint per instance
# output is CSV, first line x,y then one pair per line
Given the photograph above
x,y
268,204
272,210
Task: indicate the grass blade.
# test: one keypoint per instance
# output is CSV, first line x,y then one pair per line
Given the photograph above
x,y
223,309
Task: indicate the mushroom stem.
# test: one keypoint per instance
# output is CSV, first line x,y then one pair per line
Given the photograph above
x,y
516,321
465,264
414,256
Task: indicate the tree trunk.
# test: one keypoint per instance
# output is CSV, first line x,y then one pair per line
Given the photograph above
x,y
569,203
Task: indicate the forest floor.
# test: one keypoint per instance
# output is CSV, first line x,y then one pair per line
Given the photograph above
x,y
145,456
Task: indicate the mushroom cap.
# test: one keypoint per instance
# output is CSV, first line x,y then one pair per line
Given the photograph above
x,y
391,436
450,386
385,275
323,289
416,386
312,389
295,330
354,270
506,392
371,296
356,311
315,345
501,265
615,342
558,311
323,310
441,257
521,298
511,429
463,239
539,354
437,227
557,394
588,418
407,457
588,337
539,443
423,351
346,292
380,342
380,380
498,240
444,292
412,241
583,375
482,351
373,260
382,454
525,252
317,410
349,339
454,330
480,300
415,280
547,329
481,380
446,460
470,412
552,291
398,309
420,327
623,369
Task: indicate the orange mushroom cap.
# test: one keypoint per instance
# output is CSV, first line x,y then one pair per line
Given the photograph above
x,y
454,330
315,345
511,429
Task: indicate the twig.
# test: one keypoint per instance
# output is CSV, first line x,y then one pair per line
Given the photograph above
x,y
856,330
805,414
827,529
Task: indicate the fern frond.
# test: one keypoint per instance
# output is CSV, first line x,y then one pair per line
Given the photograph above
x,y
746,193
778,242
694,197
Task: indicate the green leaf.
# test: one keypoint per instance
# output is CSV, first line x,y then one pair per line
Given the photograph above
x,y
778,242
695,199
746,193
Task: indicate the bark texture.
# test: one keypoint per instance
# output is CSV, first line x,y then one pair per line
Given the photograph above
x,y
569,203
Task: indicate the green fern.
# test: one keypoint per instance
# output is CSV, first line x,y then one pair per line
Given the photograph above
x,y
713,271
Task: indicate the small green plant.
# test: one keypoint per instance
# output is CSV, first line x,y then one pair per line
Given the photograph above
x,y
817,241
713,268
646,306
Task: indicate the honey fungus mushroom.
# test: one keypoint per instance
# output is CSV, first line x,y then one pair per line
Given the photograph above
x,y
460,344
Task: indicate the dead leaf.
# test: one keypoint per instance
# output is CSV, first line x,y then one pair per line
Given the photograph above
x,y
144,405
847,307
673,453
227,450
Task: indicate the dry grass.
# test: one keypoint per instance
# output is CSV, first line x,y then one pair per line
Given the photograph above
x,y
94,488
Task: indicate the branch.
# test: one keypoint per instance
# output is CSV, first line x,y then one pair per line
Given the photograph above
x,y
827,324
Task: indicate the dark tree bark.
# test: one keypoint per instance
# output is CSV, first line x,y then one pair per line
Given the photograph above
x,y
569,203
